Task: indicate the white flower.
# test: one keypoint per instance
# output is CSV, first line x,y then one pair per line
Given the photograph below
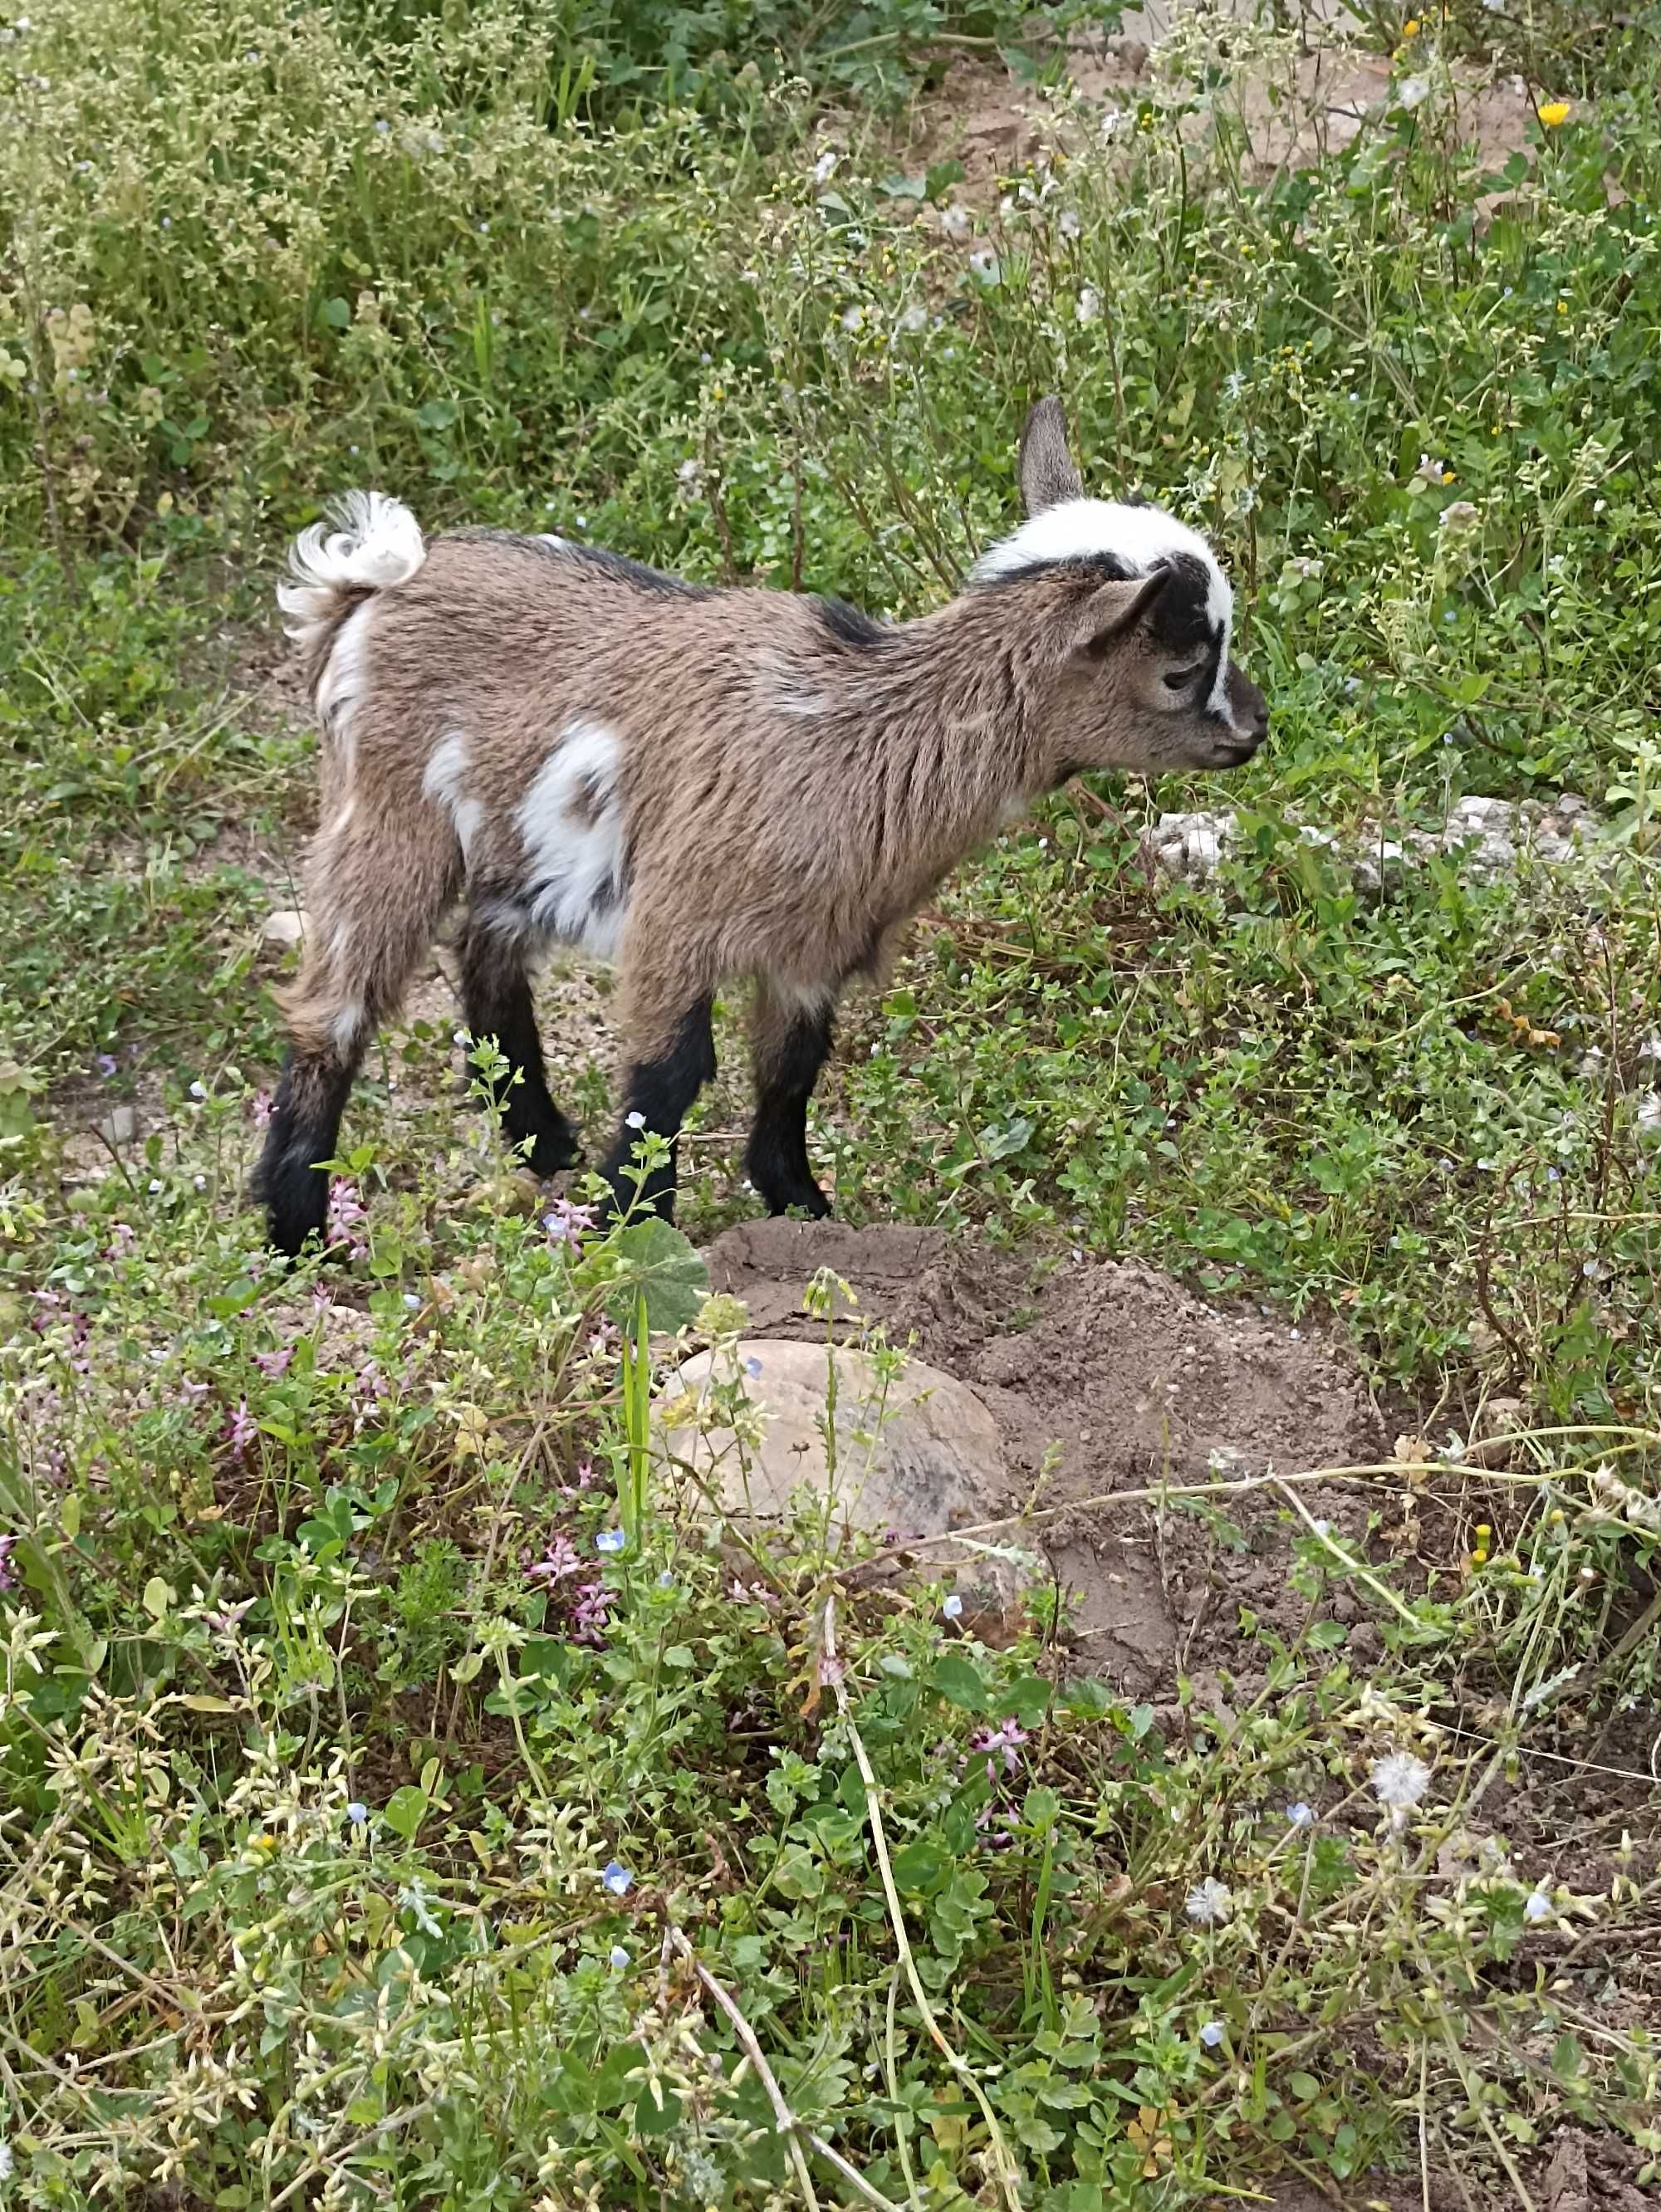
x,y
852,318
1300,1815
825,167
1111,119
1399,1782
689,473
955,222
1538,1907
636,1120
1212,1901
1069,224
953,1607
1412,90
619,1958
5,2161
198,1090
984,263
1212,2033
1089,306
914,317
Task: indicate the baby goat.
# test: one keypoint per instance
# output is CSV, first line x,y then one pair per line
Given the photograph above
x,y
703,784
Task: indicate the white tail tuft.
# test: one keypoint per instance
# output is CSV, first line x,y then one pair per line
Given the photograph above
x,y
373,543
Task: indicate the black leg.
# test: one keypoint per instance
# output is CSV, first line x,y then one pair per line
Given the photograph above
x,y
304,1129
660,1091
791,1047
495,992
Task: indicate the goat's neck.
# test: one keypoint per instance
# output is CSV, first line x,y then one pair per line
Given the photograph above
x,y
939,715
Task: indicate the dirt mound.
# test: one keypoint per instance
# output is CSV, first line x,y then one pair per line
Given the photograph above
x,y
1106,1377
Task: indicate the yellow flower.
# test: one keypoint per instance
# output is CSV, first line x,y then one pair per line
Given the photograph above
x,y
1553,112
1410,28
1447,475
1562,308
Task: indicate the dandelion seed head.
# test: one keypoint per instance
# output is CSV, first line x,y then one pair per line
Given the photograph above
x,y
1209,1902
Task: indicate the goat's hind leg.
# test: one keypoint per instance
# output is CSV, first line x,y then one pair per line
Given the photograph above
x,y
364,940
495,992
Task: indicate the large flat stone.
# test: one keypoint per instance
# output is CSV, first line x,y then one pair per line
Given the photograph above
x,y
918,1457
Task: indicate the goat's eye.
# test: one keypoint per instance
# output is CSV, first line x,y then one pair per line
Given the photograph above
x,y
1183,677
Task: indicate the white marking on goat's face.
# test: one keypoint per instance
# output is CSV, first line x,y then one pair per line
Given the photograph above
x,y
1082,529
341,687
570,823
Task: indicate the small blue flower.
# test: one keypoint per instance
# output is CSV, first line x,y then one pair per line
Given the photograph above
x,y
358,1813
665,1580
1538,1907
1300,1815
618,1878
953,1607
752,1365
610,1540
1212,2033
619,1958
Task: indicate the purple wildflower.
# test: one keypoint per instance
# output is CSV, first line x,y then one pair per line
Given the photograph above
x,y
244,1429
345,1212
262,1109
8,1580
591,1613
227,1616
107,1064
274,1364
567,1223
1004,1739
562,1559
124,1237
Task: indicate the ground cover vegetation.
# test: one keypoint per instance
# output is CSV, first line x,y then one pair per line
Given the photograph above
x,y
412,1794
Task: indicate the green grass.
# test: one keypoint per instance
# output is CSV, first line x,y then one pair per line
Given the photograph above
x,y
271,1550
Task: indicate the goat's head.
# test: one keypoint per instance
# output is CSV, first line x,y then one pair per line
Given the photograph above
x,y
1126,622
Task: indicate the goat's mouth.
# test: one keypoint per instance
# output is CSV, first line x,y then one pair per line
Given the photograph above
x,y
1236,752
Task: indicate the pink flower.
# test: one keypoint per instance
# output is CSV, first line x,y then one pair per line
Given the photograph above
x,y
1004,1739
562,1558
591,1613
262,1109
244,1429
566,1224
345,1212
8,1580
274,1364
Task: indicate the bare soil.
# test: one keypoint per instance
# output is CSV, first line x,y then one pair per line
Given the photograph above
x,y
1106,1378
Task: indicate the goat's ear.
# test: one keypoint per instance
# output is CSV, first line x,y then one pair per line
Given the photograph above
x,y
1114,611
1048,476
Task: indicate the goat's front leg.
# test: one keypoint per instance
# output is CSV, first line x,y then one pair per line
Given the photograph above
x,y
669,1062
790,1043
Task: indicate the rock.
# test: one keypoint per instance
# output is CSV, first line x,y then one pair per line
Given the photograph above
x,y
1194,845
920,1460
119,1128
284,929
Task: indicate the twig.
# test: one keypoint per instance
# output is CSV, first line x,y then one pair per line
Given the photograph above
x,y
1008,2173
788,2125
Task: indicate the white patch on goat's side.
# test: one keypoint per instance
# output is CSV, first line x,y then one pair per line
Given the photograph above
x,y
571,826
441,782
549,538
340,943
347,1024
345,679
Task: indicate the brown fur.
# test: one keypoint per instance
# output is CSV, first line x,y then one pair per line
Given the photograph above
x,y
788,795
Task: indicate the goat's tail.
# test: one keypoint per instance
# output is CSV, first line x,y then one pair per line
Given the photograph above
x,y
369,543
